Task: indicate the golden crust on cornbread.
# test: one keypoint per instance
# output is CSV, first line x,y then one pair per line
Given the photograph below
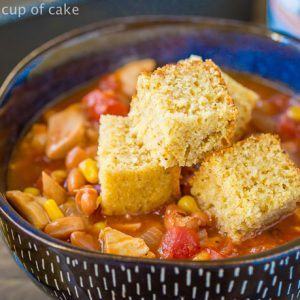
x,y
244,100
131,182
248,186
182,112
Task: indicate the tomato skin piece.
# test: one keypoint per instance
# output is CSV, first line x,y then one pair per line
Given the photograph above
x,y
288,128
99,103
179,243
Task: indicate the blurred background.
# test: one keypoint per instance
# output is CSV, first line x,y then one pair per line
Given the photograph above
x,y
20,35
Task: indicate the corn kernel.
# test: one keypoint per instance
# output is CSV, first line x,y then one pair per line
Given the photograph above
x,y
89,170
294,113
32,190
99,226
188,204
203,255
53,210
59,176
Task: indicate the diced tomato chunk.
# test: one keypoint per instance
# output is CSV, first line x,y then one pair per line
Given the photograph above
x,y
288,128
99,103
180,243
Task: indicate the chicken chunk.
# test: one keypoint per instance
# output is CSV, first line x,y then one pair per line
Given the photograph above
x,y
29,208
117,242
129,73
65,130
52,189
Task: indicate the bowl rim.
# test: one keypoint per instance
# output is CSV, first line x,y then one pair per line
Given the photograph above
x,y
113,26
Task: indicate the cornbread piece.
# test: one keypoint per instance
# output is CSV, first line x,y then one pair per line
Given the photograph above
x,y
117,242
244,100
182,112
248,186
131,182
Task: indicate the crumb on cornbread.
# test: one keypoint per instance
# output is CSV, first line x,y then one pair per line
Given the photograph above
x,y
131,182
248,186
183,111
244,100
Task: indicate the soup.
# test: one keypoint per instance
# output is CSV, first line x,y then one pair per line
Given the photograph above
x,y
63,182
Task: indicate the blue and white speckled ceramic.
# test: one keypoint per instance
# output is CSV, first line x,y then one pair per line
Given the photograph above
x,y
66,272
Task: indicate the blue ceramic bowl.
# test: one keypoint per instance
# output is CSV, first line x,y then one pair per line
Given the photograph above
x,y
67,272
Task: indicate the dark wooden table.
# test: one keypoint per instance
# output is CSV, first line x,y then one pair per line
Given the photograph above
x,y
14,285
